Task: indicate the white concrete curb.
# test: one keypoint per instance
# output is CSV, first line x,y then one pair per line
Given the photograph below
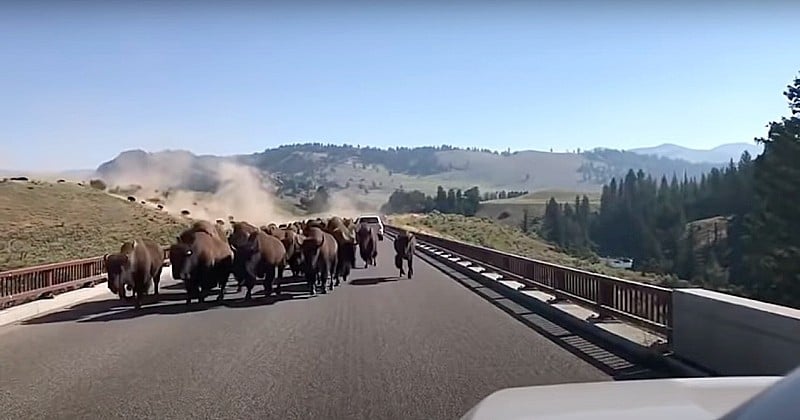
x,y
60,301
63,300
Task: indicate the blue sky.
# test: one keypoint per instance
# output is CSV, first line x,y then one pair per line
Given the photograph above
x,y
81,83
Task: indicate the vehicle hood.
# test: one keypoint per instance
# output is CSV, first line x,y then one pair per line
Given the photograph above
x,y
651,399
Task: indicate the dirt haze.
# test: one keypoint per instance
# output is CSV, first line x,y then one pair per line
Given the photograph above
x,y
241,191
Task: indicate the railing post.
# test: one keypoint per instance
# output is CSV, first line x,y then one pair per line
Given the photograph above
x,y
605,298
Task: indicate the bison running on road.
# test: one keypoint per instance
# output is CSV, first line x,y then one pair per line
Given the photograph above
x,y
138,266
367,237
404,245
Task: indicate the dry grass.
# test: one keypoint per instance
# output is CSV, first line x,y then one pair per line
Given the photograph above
x,y
43,222
484,232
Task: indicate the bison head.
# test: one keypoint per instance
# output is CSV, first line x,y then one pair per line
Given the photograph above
x,y
182,261
118,270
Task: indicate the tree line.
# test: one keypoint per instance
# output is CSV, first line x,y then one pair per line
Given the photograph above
x,y
734,229
453,200
499,195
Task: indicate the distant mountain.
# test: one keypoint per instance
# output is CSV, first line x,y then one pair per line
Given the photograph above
x,y
719,154
178,169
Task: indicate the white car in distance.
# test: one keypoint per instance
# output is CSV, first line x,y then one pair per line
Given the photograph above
x,y
372,220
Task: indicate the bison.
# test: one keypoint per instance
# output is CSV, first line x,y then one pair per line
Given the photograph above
x,y
237,239
404,245
367,237
202,264
346,258
138,265
320,253
293,242
261,255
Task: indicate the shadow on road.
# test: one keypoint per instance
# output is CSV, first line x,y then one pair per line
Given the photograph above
x,y
372,281
167,303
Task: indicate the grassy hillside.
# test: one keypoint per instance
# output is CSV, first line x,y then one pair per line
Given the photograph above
x,y
369,175
510,211
45,222
484,232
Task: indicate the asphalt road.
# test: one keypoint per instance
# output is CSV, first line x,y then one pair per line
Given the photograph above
x,y
377,348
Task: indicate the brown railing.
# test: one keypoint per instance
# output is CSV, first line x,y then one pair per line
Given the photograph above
x,y
642,304
26,284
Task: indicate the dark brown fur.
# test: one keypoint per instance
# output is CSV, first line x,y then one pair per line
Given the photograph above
x,y
320,253
138,265
293,242
261,256
367,236
404,245
203,264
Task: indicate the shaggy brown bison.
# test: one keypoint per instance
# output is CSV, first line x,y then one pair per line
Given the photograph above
x,y
201,265
274,230
367,236
241,233
346,258
404,245
320,255
260,256
238,238
293,242
137,266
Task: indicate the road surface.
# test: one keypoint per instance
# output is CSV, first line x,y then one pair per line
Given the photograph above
x,y
376,348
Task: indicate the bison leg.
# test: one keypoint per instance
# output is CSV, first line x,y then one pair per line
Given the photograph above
x,y
249,280
269,278
311,280
138,299
222,280
333,271
279,280
191,287
398,262
324,277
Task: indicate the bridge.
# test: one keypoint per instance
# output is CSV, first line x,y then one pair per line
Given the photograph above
x,y
472,320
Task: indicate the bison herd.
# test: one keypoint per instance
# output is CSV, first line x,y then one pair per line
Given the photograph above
x,y
204,256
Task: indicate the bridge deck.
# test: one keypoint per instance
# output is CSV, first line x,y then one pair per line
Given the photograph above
x,y
379,347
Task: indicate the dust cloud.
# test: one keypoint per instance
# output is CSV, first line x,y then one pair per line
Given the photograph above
x,y
241,191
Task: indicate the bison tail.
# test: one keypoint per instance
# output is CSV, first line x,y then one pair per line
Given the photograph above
x,y
398,261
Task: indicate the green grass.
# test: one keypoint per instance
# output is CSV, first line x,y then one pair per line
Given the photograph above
x,y
485,232
509,211
43,222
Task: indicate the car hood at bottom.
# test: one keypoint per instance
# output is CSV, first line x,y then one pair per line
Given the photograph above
x,y
651,399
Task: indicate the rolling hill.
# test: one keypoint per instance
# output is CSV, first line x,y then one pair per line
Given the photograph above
x,y
47,222
364,177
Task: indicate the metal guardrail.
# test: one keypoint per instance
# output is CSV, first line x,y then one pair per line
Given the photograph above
x,y
645,305
26,284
